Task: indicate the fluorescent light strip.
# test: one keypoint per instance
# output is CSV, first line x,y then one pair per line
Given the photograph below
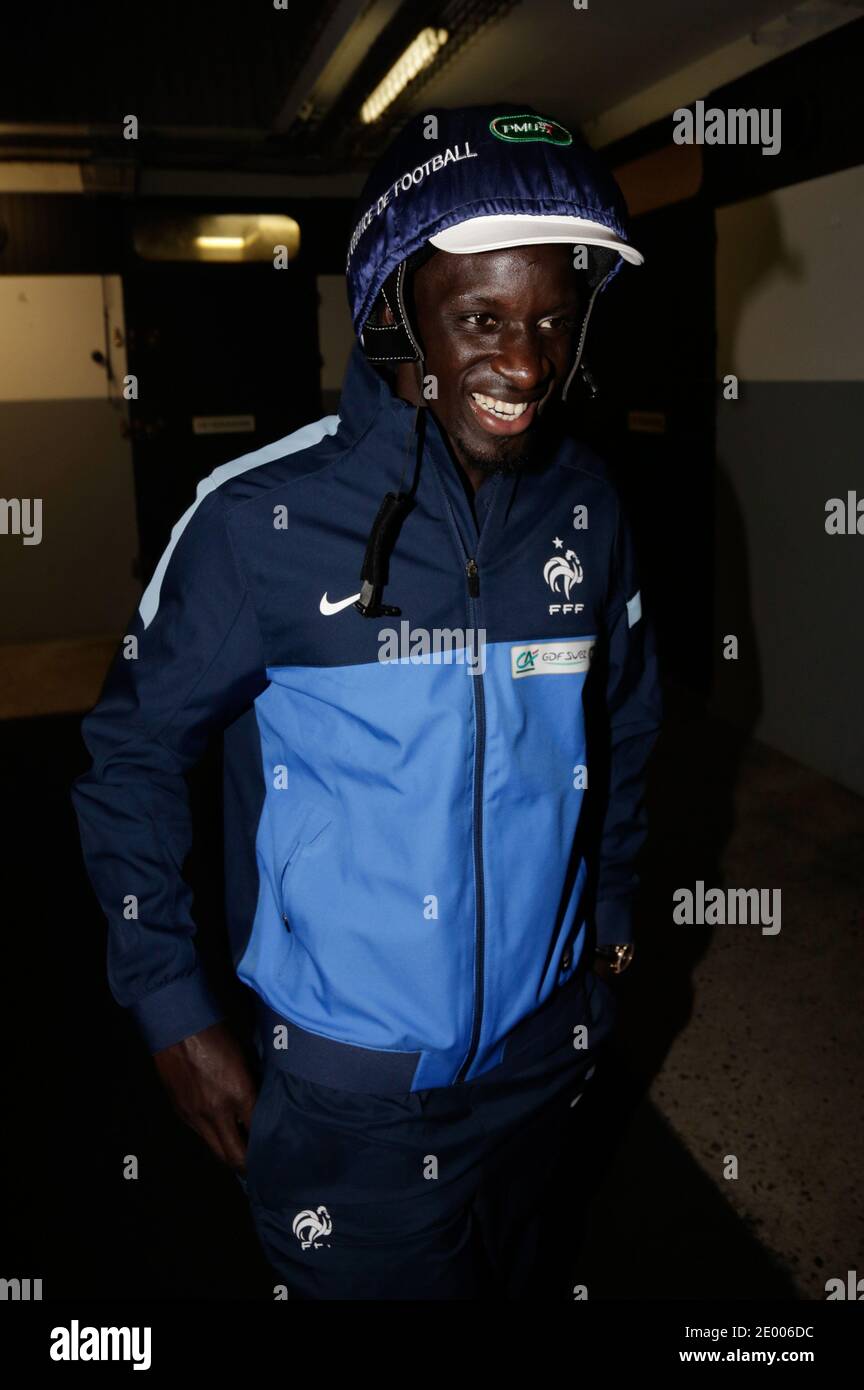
x,y
417,56
220,243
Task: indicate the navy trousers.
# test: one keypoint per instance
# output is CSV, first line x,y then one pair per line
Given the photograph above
x,y
475,1191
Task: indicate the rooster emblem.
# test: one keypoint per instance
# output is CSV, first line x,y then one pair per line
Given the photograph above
x,y
565,568
309,1225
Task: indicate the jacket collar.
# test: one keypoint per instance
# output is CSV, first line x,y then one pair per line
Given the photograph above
x,y
368,408
367,399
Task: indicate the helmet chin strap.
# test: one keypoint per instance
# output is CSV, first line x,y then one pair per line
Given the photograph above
x,y
597,288
420,376
396,341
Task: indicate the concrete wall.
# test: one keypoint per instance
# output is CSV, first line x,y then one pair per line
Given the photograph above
x,y
62,441
789,296
335,337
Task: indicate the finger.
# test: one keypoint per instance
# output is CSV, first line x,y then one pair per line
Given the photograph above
x,y
231,1140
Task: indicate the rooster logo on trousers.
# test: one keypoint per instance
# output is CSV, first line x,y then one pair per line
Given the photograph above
x,y
309,1225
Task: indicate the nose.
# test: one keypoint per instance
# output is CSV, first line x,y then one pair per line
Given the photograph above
x,y
521,358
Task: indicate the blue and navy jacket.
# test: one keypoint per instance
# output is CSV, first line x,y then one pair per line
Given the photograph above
x,y
421,847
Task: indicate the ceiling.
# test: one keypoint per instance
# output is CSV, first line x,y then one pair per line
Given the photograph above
x,y
578,63
258,89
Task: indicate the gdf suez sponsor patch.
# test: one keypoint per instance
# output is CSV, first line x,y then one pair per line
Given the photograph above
x,y
552,658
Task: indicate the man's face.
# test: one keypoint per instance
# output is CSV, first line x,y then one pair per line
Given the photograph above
x,y
500,326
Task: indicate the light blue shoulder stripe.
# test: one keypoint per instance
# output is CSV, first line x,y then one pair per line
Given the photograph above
x,y
303,438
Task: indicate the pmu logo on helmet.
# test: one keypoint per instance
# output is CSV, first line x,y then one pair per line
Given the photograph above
x,y
552,658
530,127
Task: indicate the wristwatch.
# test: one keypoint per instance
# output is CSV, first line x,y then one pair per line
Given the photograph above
x,y
619,957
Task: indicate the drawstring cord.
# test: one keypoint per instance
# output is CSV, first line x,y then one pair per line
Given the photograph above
x,y
394,508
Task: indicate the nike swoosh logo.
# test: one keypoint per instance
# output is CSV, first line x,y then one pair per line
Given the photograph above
x,y
328,608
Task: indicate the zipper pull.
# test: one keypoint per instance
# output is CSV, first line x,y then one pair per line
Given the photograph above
x,y
473,578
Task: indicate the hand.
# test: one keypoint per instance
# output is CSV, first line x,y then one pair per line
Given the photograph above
x,y
211,1089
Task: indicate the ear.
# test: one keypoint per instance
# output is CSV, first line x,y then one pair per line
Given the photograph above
x,y
381,315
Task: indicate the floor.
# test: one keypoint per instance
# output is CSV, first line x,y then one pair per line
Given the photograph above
x,y
740,1044
733,1044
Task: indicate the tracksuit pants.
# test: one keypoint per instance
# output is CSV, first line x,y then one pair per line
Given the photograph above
x,y
472,1191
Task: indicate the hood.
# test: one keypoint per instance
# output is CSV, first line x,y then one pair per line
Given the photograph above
x,y
451,167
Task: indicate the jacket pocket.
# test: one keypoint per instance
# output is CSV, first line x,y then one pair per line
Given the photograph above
x,y
268,1094
311,828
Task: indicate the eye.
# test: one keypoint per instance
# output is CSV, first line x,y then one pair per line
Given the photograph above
x,y
558,324
563,324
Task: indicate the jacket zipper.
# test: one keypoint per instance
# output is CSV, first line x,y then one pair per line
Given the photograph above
x,y
473,576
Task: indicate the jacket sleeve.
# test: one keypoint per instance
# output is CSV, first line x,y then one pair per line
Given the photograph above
x,y
633,715
190,663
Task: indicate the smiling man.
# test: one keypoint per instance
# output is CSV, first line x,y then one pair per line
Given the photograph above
x,y
497,410
429,865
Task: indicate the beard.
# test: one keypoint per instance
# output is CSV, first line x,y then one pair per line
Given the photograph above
x,y
520,454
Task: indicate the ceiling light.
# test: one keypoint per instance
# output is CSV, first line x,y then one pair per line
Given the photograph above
x,y
216,237
220,243
417,56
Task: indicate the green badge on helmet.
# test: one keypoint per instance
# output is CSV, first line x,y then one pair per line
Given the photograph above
x,y
529,127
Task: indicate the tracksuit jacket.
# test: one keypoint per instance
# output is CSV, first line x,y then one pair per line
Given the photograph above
x,y
429,819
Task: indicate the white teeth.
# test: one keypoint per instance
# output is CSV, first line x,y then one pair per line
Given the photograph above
x,y
503,408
